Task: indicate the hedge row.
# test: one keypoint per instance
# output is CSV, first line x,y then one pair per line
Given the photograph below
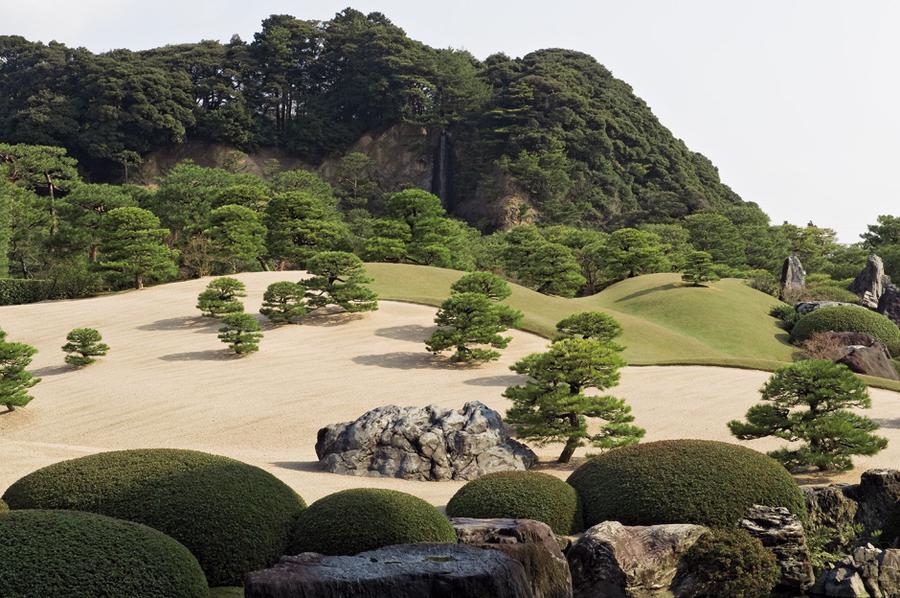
x,y
17,291
848,319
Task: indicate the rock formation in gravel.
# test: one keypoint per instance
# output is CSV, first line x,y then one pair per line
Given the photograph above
x,y
423,443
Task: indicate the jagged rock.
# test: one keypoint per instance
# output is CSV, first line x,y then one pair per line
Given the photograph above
x,y
889,304
868,572
529,542
611,559
804,307
874,360
402,571
781,532
871,282
793,280
422,443
853,512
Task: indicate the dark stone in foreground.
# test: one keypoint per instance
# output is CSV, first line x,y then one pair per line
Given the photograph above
x,y
874,360
403,571
889,304
529,542
781,532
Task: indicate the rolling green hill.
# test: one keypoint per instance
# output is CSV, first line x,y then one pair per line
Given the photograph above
x,y
664,322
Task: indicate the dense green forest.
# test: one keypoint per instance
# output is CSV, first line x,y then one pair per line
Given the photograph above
x,y
554,125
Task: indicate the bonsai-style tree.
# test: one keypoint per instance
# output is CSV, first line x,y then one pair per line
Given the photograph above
x,y
339,278
552,405
589,324
83,346
699,269
221,297
241,332
237,236
482,282
809,402
14,380
133,244
283,302
467,319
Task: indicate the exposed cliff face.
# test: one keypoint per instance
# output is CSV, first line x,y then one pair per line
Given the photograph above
x,y
261,162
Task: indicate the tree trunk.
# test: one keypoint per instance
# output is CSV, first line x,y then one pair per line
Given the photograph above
x,y
569,450
138,281
10,407
264,264
92,255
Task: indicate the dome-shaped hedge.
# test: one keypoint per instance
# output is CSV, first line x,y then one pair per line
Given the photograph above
x,y
520,495
848,319
67,553
353,521
682,481
235,518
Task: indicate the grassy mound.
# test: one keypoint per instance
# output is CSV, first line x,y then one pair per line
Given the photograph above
x,y
848,319
353,521
731,563
664,321
235,518
521,495
65,553
682,481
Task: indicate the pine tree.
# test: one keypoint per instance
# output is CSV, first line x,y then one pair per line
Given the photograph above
x,y
809,402
283,302
485,283
552,405
14,380
699,269
589,324
83,346
339,278
467,319
133,244
221,297
241,332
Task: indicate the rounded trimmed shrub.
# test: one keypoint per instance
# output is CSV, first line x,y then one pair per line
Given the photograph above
x,y
682,481
731,563
67,553
848,319
520,495
3,506
235,518
353,521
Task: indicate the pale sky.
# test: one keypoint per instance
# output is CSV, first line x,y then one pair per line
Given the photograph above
x,y
796,101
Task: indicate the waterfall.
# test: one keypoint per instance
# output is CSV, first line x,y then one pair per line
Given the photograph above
x,y
440,177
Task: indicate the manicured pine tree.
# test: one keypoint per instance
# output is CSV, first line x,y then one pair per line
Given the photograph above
x,y
83,346
339,278
809,402
485,283
284,302
133,245
467,319
221,297
552,405
14,380
589,324
699,269
241,332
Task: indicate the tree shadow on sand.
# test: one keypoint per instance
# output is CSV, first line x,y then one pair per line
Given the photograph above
x,y
412,332
52,370
183,323
207,355
504,381
329,318
312,466
408,360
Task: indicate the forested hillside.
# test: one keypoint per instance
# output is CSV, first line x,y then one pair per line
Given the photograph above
x,y
551,137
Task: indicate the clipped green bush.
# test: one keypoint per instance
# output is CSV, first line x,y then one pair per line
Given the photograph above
x,y
16,291
848,319
731,563
353,521
682,481
235,518
66,553
3,506
829,292
520,495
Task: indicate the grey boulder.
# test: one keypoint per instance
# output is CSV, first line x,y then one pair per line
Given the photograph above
x,y
868,572
781,532
423,443
793,280
871,283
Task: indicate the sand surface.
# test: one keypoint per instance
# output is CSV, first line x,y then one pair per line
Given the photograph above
x,y
168,382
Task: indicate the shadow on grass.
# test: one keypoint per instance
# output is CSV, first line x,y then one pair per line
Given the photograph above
x,y
665,287
197,323
52,370
411,332
208,355
407,360
511,380
312,466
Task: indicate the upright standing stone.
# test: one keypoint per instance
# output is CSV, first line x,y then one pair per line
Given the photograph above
x,y
793,280
781,532
889,303
871,282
